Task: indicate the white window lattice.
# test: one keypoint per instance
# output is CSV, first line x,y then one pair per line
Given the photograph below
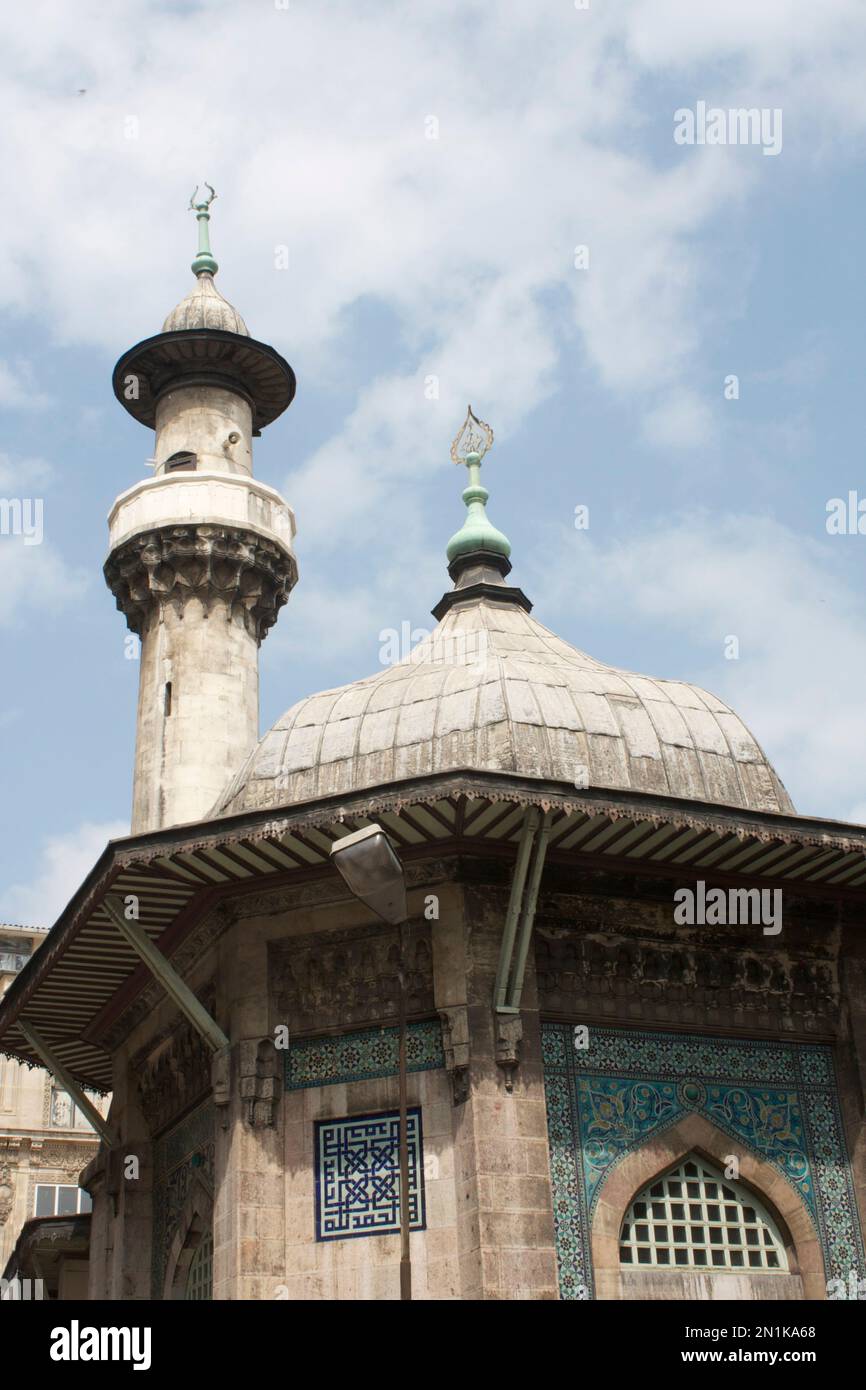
x,y
693,1218
199,1282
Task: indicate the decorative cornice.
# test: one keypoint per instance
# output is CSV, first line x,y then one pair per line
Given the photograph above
x,y
62,1156
209,356
138,852
237,569
640,807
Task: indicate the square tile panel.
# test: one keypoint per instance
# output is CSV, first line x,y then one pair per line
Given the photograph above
x,y
358,1175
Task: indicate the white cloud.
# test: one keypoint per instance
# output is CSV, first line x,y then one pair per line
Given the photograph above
x,y
18,387
23,476
801,670
682,420
64,863
776,39
33,573
312,122
35,577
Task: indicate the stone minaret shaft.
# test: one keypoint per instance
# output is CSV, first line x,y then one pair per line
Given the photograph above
x,y
200,555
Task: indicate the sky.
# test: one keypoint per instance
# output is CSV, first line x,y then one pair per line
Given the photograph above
x,y
422,205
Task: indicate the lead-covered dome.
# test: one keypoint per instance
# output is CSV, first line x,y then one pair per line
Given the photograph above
x,y
205,307
492,690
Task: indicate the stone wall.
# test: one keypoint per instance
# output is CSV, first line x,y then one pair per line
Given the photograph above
x,y
309,959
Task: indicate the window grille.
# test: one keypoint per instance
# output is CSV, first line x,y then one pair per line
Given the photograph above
x,y
693,1218
199,1280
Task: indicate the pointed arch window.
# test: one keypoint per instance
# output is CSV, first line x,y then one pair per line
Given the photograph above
x,y
199,1280
694,1218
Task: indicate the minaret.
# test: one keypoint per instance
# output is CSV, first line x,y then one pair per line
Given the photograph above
x,y
200,555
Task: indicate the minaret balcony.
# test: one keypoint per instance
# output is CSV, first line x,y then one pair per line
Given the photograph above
x,y
204,498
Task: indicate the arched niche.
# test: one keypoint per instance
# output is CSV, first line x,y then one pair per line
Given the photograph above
x,y
655,1156
194,1225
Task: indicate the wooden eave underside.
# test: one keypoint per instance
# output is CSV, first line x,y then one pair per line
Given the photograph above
x,y
85,967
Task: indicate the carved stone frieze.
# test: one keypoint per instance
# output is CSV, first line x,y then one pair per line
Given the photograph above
x,y
328,889
7,1192
173,1071
339,978
636,976
224,915
61,1157
218,565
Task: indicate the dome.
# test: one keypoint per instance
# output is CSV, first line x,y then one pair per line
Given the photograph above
x,y
204,307
491,689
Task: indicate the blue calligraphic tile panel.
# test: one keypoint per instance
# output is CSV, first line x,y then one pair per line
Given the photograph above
x,y
358,1175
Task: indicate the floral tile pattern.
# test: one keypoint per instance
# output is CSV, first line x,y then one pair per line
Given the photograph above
x,y
363,1056
608,1097
180,1156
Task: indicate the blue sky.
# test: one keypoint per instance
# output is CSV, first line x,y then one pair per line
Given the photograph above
x,y
410,257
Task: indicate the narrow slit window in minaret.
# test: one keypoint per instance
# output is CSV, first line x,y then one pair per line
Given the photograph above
x,y
184,459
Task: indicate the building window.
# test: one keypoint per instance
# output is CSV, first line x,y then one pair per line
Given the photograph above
x,y
58,1199
9,1075
358,1175
14,954
694,1218
182,460
65,1114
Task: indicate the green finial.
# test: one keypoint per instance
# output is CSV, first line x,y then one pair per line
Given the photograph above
x,y
477,532
204,261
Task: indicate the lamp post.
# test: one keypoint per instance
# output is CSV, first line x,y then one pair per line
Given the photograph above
x,y
371,871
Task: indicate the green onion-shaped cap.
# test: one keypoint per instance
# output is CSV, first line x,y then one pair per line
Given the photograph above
x,y
477,532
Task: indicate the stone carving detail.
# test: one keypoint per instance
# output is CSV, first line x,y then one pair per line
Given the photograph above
x,y
348,977
260,1080
455,1042
221,1080
173,1073
7,1192
62,1158
576,970
238,569
508,1034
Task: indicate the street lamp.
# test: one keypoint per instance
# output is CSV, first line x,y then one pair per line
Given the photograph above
x,y
370,869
